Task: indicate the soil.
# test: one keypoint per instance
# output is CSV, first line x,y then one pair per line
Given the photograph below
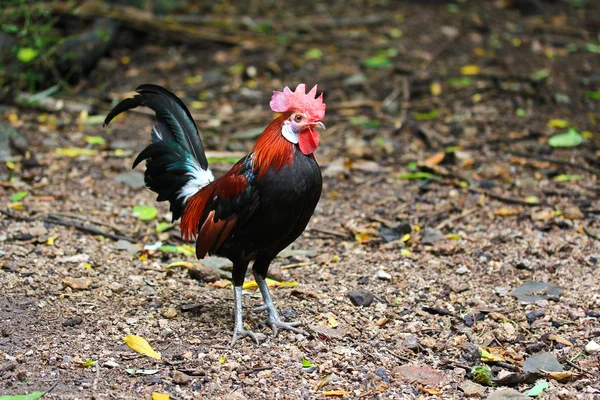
x,y
463,93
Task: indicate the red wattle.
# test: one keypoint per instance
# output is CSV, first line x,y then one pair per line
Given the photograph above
x,y
308,141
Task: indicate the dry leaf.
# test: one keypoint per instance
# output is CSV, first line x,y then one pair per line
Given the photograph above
x,y
562,376
507,211
140,345
435,159
559,339
332,322
431,391
469,70
160,396
335,393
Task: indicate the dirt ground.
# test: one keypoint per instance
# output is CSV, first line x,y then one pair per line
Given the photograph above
x,y
441,196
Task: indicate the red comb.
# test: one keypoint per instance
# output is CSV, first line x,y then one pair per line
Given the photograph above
x,y
299,100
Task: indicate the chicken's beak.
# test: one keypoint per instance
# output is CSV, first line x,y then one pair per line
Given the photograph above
x,y
320,125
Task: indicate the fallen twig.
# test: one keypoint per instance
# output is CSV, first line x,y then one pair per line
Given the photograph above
x,y
297,265
329,232
83,228
587,231
504,199
591,170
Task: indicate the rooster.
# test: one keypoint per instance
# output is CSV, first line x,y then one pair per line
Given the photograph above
x,y
253,211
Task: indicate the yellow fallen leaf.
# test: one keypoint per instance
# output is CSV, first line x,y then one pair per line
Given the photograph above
x,y
431,391
160,396
271,283
87,266
75,152
405,238
140,345
288,284
249,285
17,205
559,339
562,376
332,322
489,356
469,70
335,393
435,88
51,239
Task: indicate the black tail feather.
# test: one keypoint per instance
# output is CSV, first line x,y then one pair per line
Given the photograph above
x,y
171,113
176,155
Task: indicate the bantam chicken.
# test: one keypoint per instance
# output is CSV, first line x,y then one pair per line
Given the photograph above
x,y
253,211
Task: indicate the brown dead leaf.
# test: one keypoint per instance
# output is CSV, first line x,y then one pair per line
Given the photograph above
x,y
559,339
507,211
335,393
435,159
431,391
562,376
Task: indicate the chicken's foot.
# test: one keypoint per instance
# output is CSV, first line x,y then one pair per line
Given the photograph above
x,y
238,331
273,319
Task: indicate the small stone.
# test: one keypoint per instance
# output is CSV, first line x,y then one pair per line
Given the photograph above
x,y
501,291
72,321
507,394
592,347
462,270
411,342
383,275
77,283
431,236
572,212
546,361
203,273
169,313
180,378
382,373
361,297
471,354
126,245
111,363
414,373
472,389
21,376
116,287
535,314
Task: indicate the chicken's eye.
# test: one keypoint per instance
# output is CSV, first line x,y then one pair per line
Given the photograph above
x,y
298,118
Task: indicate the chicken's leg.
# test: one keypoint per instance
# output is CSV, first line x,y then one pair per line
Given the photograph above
x,y
273,320
238,331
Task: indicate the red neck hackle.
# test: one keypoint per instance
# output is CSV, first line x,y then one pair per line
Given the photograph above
x,y
272,149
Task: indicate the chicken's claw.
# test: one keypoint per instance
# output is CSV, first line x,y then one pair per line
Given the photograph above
x,y
277,324
242,333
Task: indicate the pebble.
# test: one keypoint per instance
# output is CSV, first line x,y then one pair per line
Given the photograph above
x,y
431,236
383,275
77,283
203,273
116,287
592,347
472,389
462,270
507,394
77,258
21,376
572,212
169,313
361,297
111,363
180,378
411,342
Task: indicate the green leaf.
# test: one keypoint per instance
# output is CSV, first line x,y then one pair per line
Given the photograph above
x,y
418,175
183,249
88,363
482,375
163,226
313,54
19,196
593,95
75,152
532,199
306,363
520,112
378,61
460,82
592,48
426,116
30,396
567,178
571,138
222,360
145,213
539,387
540,75
94,140
26,54
229,160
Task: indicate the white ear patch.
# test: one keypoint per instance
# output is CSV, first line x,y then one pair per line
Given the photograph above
x,y
289,134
